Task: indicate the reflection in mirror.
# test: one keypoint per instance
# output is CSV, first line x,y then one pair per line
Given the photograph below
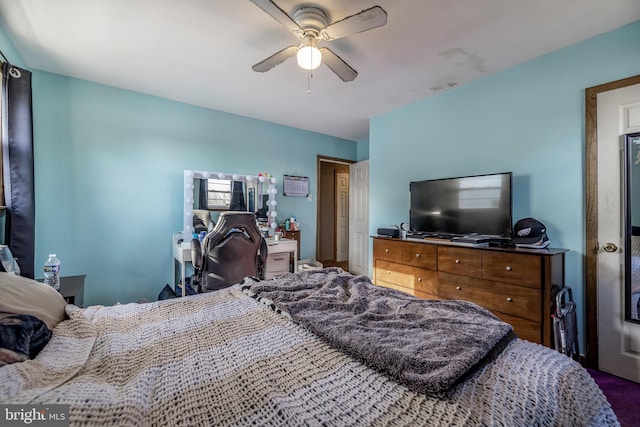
x,y
213,195
206,194
632,227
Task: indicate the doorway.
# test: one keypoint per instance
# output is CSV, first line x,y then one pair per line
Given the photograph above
x,y
332,243
603,322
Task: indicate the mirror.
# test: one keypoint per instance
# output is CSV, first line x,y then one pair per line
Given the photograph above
x,y
208,193
212,196
632,227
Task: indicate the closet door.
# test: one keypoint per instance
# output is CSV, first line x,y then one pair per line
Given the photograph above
x,y
359,218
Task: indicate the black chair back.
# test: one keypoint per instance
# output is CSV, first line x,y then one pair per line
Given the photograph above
x,y
233,250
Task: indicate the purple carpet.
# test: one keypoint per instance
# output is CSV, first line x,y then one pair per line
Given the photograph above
x,y
623,395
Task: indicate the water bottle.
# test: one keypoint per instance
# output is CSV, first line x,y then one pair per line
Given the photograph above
x,y
52,272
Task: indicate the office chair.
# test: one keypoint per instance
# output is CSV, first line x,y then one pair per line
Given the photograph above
x,y
233,250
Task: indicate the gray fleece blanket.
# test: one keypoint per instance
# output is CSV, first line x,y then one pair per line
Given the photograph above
x,y
428,345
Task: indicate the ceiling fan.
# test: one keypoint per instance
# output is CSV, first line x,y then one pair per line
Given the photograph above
x,y
309,24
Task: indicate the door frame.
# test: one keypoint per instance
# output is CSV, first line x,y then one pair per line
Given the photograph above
x,y
591,212
325,159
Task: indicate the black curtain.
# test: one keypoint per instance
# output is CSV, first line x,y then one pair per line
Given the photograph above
x,y
17,164
203,194
238,202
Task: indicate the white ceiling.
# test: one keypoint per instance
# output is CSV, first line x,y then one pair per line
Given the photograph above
x,y
201,51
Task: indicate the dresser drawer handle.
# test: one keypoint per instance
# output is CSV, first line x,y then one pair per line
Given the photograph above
x,y
388,272
509,299
508,268
457,261
419,279
417,255
278,259
458,288
386,250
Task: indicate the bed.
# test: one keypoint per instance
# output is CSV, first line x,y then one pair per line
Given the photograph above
x,y
319,347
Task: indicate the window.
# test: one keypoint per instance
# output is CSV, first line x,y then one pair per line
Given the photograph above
x,y
218,194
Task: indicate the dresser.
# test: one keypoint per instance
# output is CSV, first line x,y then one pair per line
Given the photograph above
x,y
517,285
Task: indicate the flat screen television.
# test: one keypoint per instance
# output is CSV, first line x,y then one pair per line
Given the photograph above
x,y
479,204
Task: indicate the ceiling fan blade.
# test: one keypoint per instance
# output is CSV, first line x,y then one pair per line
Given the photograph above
x,y
337,65
279,15
366,20
275,59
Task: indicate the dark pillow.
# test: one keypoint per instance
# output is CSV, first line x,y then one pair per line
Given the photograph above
x,y
22,337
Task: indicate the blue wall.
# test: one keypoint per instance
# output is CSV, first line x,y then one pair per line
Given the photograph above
x,y
109,178
363,149
528,119
109,162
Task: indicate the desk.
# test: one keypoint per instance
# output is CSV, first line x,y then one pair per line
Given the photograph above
x,y
277,264
182,257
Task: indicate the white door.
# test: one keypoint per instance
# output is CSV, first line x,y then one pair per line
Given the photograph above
x,y
342,216
359,218
618,340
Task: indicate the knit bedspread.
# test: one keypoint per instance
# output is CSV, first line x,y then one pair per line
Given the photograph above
x,y
427,345
225,359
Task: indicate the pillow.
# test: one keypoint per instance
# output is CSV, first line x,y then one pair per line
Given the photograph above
x,y
21,295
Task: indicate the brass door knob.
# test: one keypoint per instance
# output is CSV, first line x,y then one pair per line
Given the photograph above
x,y
610,247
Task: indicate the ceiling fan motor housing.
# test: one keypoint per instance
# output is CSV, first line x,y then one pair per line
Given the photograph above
x,y
310,19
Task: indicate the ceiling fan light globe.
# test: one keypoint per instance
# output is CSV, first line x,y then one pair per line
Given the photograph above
x,y
309,57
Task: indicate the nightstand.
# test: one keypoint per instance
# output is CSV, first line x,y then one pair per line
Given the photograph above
x,y
72,289
293,235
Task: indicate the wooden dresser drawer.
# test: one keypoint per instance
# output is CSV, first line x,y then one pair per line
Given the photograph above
x,y
388,250
523,270
415,293
295,234
509,299
420,255
525,329
467,262
407,277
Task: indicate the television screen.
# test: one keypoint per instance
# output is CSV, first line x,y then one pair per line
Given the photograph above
x,y
461,206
